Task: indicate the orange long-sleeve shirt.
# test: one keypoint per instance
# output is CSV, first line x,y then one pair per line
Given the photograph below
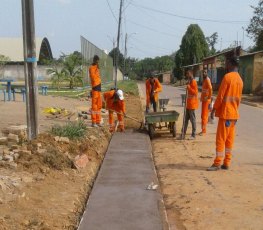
x,y
157,87
192,99
94,74
229,97
206,90
111,104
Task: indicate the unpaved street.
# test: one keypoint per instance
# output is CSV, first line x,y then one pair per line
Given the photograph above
x,y
197,199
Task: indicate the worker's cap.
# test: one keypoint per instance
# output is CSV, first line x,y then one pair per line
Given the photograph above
x,y
120,94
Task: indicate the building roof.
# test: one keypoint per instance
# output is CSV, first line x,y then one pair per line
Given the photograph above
x,y
13,48
193,65
226,52
250,54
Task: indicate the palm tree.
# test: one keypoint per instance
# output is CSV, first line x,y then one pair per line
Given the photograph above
x,y
57,74
72,67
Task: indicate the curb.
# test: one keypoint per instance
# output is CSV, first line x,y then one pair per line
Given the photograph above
x,y
250,103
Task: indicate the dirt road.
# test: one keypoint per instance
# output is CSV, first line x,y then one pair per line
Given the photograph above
x,y
197,199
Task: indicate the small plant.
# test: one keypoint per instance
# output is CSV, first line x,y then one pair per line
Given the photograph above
x,y
73,130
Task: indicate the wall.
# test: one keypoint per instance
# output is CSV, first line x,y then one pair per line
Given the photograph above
x,y
258,71
246,72
166,78
16,72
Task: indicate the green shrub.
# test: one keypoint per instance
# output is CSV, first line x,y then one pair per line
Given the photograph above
x,y
72,130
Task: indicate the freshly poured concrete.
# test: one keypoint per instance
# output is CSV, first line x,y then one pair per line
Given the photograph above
x,y
119,199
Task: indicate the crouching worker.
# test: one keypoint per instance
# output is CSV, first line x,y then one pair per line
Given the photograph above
x,y
153,87
114,100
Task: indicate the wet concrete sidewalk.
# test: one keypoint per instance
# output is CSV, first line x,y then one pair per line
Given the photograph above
x,y
119,199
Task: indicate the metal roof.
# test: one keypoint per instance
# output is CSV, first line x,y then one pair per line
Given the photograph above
x,y
13,48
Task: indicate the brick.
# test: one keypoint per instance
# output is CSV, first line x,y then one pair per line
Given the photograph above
x,y
81,161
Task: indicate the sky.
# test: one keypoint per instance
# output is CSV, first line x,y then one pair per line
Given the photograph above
x,y
153,27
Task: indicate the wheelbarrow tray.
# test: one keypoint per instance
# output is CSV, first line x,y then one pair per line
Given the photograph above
x,y
166,116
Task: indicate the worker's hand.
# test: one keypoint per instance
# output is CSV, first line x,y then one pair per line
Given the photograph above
x,y
124,114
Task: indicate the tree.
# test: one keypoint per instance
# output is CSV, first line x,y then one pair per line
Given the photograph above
x,y
212,40
193,46
177,71
113,53
3,61
255,28
57,74
72,67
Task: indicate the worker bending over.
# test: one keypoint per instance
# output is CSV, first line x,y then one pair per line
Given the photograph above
x,y
226,109
206,100
191,105
96,101
153,87
114,100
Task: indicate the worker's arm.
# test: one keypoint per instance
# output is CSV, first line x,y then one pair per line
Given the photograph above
x,y
210,91
220,97
192,88
158,87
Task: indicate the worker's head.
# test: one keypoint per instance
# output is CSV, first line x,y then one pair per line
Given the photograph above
x,y
120,94
232,63
204,73
151,79
189,74
96,59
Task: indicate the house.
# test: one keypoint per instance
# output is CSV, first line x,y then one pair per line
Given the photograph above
x,y
197,71
13,49
216,65
165,77
251,71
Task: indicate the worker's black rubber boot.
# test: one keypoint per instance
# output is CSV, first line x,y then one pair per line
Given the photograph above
x,y
225,167
213,168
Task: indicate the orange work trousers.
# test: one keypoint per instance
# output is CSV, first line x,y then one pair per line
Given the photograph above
x,y
96,107
225,136
111,121
204,115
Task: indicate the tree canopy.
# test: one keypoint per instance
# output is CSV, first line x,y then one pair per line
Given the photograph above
x,y
255,28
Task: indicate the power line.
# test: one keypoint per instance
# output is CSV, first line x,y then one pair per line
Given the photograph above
x,y
185,17
112,11
154,30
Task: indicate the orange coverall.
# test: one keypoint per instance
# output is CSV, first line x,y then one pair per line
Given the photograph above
x,y
206,100
96,106
116,105
157,87
192,100
226,106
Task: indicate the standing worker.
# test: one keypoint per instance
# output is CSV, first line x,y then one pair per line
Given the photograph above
x,y
206,100
191,104
94,74
115,103
226,109
153,87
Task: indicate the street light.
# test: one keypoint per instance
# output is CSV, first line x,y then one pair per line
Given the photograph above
x,y
125,51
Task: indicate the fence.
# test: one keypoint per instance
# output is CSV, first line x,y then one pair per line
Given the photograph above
x,y
88,50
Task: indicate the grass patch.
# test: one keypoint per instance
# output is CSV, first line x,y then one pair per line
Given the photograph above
x,y
129,87
73,130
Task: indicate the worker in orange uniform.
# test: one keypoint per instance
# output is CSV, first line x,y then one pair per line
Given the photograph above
x,y
115,103
95,79
191,105
206,100
153,87
226,109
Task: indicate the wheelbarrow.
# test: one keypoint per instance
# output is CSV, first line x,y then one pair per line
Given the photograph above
x,y
159,120
163,103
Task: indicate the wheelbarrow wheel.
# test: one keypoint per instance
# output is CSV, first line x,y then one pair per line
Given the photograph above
x,y
174,129
151,130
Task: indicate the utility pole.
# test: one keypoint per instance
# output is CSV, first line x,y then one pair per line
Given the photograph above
x,y
125,55
30,64
118,44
